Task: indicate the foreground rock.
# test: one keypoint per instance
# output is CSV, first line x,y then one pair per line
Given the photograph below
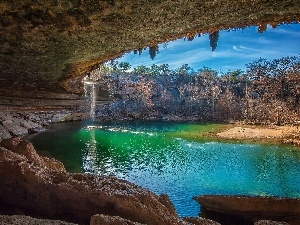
x,y
200,221
269,222
110,220
254,208
27,220
39,186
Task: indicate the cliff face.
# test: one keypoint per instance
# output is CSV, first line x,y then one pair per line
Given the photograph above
x,y
47,45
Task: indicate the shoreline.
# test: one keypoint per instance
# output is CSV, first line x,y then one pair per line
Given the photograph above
x,y
23,123
264,134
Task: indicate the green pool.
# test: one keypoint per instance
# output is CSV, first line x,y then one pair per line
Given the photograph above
x,y
160,156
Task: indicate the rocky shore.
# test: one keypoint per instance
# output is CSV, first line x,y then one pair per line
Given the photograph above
x,y
25,122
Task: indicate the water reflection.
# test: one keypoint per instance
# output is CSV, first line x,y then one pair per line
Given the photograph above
x,y
152,155
183,169
89,157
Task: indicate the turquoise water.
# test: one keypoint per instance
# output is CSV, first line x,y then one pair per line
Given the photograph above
x,y
152,155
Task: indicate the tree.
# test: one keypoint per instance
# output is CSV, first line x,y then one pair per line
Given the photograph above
x,y
141,70
154,70
164,68
268,92
113,64
124,66
185,69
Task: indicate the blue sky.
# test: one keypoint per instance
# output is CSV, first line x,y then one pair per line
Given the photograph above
x,y
235,49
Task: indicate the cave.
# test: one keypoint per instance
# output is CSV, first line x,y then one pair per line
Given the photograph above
x,y
49,48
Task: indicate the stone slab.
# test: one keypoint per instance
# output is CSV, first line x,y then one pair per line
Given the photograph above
x,y
14,128
4,133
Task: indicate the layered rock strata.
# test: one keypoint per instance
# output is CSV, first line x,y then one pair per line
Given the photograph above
x,y
23,123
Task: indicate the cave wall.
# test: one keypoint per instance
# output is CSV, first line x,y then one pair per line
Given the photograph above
x,y
48,45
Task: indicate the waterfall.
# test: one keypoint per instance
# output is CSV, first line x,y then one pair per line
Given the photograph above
x,y
90,91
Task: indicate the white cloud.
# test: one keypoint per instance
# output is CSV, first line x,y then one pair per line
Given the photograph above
x,y
238,48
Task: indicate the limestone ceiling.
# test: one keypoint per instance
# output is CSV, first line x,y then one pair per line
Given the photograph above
x,y
49,44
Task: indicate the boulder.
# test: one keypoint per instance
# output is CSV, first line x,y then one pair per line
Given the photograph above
x,y
110,220
10,143
30,126
200,221
68,116
5,116
27,220
269,222
38,186
57,118
25,148
4,133
254,208
78,116
14,127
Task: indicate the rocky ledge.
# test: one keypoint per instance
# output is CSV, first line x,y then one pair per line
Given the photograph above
x,y
25,122
254,208
39,186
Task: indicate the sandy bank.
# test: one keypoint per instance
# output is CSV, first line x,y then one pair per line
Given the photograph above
x,y
286,134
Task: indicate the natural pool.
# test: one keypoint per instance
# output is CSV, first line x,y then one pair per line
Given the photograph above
x,y
158,156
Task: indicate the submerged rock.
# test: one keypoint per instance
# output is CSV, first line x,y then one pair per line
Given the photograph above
x,y
39,186
254,208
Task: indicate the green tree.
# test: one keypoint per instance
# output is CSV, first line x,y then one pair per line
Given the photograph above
x,y
185,69
154,69
164,68
124,66
141,70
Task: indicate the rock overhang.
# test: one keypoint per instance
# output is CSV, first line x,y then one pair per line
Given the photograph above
x,y
49,45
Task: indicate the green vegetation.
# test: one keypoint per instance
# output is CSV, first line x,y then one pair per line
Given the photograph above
x,y
199,132
268,92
